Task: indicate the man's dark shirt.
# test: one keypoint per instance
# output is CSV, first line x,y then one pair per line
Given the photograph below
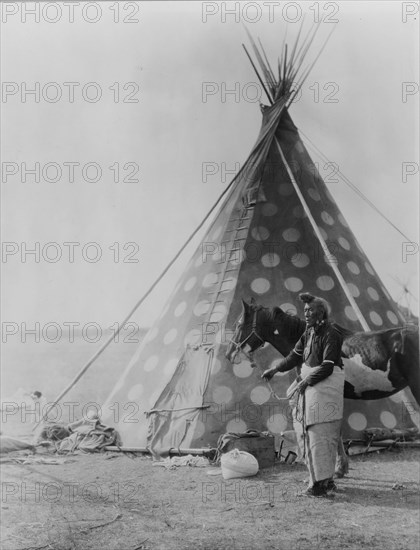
x,y
317,347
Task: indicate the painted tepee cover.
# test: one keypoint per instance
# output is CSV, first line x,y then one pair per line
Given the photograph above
x,y
179,386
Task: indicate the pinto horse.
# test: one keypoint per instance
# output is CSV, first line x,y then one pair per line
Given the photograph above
x,y
376,364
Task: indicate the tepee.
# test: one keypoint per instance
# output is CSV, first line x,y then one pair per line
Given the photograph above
x,y
277,232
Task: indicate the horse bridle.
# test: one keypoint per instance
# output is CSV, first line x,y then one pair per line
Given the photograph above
x,y
239,347
248,356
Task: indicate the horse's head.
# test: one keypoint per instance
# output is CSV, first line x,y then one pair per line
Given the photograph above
x,y
246,337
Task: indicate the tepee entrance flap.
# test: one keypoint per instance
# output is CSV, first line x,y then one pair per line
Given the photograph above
x,y
173,419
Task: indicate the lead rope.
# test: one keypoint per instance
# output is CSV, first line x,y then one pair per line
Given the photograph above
x,y
274,394
300,417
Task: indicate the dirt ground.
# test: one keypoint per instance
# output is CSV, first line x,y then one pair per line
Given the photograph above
x,y
113,501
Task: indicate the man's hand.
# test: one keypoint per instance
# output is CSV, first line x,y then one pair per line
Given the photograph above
x,y
269,373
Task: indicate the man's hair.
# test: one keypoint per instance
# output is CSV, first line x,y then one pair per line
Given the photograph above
x,y
316,301
37,394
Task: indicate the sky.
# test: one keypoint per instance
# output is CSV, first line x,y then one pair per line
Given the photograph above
x,y
136,96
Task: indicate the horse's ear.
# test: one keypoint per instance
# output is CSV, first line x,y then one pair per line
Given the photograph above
x,y
245,307
253,302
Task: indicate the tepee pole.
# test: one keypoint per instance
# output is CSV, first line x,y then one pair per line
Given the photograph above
x,y
258,75
324,245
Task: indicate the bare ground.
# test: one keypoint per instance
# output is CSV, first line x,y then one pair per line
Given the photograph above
x,y
114,501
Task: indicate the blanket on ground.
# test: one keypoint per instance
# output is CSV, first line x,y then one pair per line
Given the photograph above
x,y
87,435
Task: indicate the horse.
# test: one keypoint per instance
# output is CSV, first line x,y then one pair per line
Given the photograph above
x,y
377,364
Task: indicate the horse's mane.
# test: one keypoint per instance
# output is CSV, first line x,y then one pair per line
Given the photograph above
x,y
276,311
294,327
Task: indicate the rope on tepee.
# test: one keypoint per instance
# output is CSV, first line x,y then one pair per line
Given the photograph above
x,y
354,187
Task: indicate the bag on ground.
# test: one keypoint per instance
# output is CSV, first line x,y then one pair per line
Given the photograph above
x,y
238,464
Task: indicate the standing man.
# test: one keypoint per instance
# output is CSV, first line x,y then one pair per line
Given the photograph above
x,y
320,390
